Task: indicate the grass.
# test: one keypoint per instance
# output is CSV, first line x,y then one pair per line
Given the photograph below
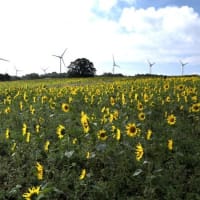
x,y
78,138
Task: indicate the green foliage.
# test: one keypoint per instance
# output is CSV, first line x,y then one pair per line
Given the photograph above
x,y
81,67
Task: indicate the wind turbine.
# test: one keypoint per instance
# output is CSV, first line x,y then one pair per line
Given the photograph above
x,y
61,59
114,65
150,65
44,70
182,67
17,70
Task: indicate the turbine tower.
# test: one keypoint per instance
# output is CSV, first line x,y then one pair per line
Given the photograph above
x,y
114,65
182,67
61,59
150,66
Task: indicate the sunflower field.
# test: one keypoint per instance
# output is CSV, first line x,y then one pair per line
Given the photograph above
x,y
100,138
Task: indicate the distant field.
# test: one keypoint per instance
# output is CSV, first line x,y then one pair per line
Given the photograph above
x,y
100,138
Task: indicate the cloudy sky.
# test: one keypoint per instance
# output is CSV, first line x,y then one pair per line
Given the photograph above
x,y
134,31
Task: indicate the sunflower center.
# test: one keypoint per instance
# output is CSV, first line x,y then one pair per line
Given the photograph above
x,y
132,129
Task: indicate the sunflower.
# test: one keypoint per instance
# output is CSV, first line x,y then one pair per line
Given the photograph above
x,y
115,114
171,119
149,133
102,134
40,171
83,173
168,99
32,193
180,87
46,146
139,152
195,107
24,129
141,116
60,131
117,133
7,133
170,144
85,122
131,130
140,106
37,128
166,86
65,107
112,101
28,136
21,105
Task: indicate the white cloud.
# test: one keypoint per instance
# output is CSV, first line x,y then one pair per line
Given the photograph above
x,y
105,5
166,31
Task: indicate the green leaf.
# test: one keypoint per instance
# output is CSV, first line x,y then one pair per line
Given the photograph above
x,y
137,172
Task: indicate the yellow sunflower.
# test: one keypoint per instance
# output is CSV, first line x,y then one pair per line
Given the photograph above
x,y
60,131
102,134
195,107
65,107
166,86
139,152
131,130
83,174
149,133
46,146
112,101
170,144
85,122
32,193
171,119
140,106
40,171
141,116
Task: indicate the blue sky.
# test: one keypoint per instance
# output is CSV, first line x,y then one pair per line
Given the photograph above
x,y
134,31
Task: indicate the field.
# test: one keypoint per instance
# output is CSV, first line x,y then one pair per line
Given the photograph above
x,y
100,138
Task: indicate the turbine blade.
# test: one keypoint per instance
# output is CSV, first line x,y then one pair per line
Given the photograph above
x,y
4,60
56,56
64,52
63,61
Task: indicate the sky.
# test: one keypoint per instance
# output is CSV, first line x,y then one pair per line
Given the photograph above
x,y
163,32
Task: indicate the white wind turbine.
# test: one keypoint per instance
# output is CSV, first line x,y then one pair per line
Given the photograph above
x,y
17,70
114,65
150,66
45,70
61,59
182,67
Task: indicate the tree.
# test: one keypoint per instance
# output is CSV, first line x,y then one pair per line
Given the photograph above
x,y
81,67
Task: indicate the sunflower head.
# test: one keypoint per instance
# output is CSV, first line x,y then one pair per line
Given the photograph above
x,y
139,152
60,131
65,107
102,134
131,130
32,193
170,144
140,106
195,107
141,116
171,119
